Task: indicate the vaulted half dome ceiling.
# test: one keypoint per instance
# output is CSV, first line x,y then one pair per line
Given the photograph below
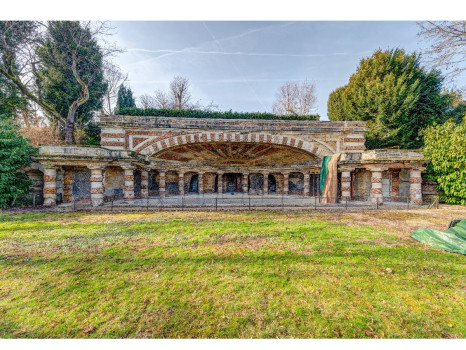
x,y
235,153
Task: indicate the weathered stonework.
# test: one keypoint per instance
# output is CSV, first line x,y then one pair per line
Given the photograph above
x,y
157,156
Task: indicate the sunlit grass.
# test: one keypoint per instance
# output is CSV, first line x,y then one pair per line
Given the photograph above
x,y
227,274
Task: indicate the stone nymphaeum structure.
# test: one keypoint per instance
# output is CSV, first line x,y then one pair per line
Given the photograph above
x,y
144,157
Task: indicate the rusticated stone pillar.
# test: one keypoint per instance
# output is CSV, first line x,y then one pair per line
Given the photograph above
x,y
200,183
346,185
97,186
144,183
162,178
50,186
376,188
244,183
181,183
306,184
415,185
220,183
68,186
129,182
395,185
286,183
266,183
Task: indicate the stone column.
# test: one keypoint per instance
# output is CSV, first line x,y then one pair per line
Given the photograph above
x,y
129,182
50,186
306,184
220,183
415,185
346,185
162,179
97,186
68,186
266,183
285,183
181,183
200,183
376,188
244,183
395,185
144,183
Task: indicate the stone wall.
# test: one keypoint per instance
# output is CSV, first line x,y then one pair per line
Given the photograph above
x,y
114,182
81,184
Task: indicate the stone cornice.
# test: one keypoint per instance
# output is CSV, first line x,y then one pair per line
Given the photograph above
x,y
129,122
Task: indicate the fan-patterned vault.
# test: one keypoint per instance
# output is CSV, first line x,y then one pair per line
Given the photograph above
x,y
235,154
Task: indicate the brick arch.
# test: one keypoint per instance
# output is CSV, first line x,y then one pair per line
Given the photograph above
x,y
154,145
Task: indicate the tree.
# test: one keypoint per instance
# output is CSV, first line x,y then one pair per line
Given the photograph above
x,y
446,149
114,78
335,105
162,100
448,48
125,98
295,98
14,153
33,55
457,110
180,95
395,96
10,98
147,101
18,62
71,72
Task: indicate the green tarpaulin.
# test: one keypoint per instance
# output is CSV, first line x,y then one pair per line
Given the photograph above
x,y
452,240
323,172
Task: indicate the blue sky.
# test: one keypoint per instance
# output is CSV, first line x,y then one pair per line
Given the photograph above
x,y
241,65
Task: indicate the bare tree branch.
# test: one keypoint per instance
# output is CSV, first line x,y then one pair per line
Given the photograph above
x,y
295,98
447,44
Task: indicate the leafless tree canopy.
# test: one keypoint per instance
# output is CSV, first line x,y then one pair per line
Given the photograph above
x,y
295,98
114,77
177,97
180,95
162,100
448,44
146,101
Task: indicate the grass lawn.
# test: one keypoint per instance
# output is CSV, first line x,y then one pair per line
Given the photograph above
x,y
229,274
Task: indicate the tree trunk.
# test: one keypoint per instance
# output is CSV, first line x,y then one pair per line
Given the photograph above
x,y
69,128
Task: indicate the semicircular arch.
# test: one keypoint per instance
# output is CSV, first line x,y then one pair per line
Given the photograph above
x,y
155,145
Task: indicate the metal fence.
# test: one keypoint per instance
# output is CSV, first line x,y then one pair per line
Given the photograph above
x,y
252,202
226,202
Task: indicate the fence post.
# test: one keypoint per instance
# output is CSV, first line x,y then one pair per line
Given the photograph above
x,y
113,198
33,200
315,202
182,203
377,203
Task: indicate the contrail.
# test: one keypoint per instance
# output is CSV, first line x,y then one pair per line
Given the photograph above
x,y
239,53
236,68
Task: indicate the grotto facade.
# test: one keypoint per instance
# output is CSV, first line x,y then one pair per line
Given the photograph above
x,y
145,157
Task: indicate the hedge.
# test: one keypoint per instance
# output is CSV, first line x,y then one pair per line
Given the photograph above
x,y
210,115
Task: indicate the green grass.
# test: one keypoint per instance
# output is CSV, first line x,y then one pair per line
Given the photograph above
x,y
227,275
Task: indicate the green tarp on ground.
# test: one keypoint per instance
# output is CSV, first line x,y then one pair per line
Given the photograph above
x,y
452,240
